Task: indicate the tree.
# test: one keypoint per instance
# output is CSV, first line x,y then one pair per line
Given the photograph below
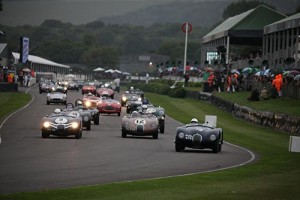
x,y
239,7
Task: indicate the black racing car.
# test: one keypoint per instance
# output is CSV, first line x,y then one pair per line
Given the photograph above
x,y
62,124
199,136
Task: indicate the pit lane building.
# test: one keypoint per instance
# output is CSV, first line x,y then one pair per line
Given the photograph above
x,y
281,42
243,30
39,64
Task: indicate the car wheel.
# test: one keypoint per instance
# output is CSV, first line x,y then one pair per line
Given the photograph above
x,y
179,147
96,120
162,128
79,135
45,135
119,113
155,135
41,92
124,135
216,148
48,102
88,127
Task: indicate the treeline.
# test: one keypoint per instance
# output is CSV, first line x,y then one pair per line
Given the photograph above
x,y
97,44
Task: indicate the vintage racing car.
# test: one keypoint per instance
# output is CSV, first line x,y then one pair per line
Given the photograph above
x,y
73,85
107,92
128,94
199,136
133,103
160,113
62,124
94,112
137,124
57,96
109,106
89,88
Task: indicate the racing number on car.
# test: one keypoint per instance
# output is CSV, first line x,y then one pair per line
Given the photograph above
x,y
61,120
140,122
151,110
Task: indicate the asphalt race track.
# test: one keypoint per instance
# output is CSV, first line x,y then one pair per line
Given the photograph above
x,y
30,163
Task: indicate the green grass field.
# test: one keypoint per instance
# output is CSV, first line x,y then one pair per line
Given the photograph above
x,y
11,101
274,175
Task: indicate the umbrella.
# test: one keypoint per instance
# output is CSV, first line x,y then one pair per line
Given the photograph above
x,y
292,73
297,77
26,70
235,71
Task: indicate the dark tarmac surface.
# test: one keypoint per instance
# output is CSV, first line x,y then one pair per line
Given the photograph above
x,y
30,163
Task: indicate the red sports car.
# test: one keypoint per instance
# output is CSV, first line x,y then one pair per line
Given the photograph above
x,y
105,92
88,89
91,101
110,106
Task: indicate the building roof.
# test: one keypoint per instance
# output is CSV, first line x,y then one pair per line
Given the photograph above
x,y
39,60
248,24
2,47
286,23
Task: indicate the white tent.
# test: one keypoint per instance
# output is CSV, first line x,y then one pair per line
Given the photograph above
x,y
117,71
109,71
99,69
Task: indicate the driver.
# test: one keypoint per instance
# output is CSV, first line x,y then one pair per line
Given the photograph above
x,y
57,111
144,109
194,121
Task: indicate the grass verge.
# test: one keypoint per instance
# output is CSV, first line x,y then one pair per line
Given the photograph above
x,y
11,101
275,175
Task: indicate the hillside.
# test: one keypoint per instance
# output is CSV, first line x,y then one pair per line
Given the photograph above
x,y
199,13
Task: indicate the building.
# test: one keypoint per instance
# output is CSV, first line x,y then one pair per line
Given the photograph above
x,y
39,64
281,42
226,42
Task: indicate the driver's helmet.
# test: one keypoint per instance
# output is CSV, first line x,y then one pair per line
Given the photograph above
x,y
135,114
131,88
79,103
126,92
144,108
57,111
194,120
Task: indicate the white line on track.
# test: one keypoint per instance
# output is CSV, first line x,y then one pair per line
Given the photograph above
x,y
15,112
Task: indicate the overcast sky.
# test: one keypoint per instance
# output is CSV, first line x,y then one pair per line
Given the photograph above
x,y
34,12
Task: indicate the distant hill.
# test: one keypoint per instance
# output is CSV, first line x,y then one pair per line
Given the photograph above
x,y
199,13
204,14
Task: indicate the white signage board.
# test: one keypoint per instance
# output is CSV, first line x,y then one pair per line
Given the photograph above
x,y
294,144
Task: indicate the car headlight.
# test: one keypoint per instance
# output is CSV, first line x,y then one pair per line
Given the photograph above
x,y
75,125
85,118
181,135
65,88
46,124
139,99
162,118
87,104
124,98
212,137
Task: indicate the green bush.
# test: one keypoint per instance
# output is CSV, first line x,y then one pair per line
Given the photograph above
x,y
178,92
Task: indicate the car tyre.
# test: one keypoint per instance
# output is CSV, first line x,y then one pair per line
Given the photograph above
x,y
119,113
124,135
88,127
45,135
155,135
179,147
79,135
96,120
48,102
216,148
162,128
